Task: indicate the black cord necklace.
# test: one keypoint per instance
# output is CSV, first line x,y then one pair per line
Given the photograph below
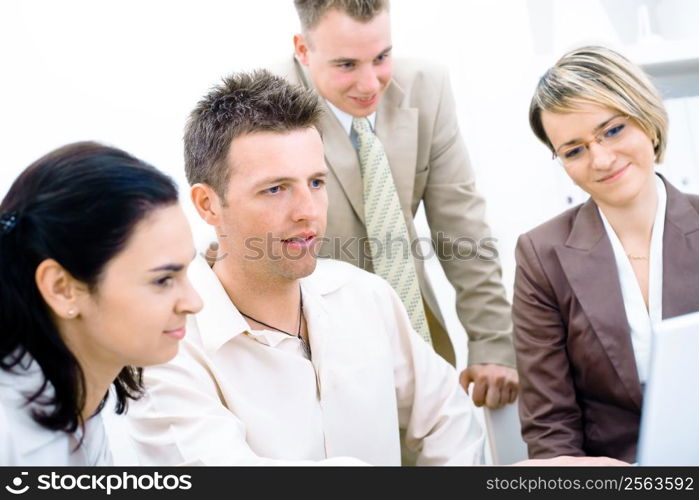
x,y
306,346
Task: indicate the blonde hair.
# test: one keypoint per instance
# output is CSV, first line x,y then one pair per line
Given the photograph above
x,y
600,76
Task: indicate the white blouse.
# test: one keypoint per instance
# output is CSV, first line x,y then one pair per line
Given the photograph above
x,y
24,442
640,320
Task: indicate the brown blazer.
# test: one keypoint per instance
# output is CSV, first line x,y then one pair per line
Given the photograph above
x,y
416,122
580,393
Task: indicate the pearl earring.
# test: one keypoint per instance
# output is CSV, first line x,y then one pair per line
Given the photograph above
x,y
72,313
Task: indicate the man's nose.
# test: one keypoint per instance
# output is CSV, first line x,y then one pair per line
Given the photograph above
x,y
368,82
306,206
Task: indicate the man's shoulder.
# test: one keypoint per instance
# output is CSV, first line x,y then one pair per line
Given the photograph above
x,y
408,70
287,68
332,275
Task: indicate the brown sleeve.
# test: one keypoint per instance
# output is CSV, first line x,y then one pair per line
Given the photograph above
x,y
551,417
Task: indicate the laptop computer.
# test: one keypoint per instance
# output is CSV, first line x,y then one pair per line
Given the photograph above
x,y
669,433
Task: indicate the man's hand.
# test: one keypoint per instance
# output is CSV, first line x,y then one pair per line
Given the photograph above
x,y
493,385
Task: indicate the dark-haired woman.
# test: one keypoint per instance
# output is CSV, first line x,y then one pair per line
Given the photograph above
x,y
94,249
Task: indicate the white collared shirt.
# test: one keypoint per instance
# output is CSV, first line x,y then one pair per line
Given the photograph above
x,y
24,442
640,320
345,120
235,397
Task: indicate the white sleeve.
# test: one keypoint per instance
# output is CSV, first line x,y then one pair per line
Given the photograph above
x,y
182,419
435,412
7,451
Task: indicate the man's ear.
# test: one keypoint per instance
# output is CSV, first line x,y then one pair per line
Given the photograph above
x,y
60,290
207,203
301,48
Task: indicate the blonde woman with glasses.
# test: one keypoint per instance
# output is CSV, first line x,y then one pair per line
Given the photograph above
x,y
591,283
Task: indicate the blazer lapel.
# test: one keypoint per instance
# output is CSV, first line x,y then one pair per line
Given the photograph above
x,y
680,255
588,262
340,155
397,129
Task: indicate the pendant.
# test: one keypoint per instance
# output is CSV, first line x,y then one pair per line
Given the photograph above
x,y
306,348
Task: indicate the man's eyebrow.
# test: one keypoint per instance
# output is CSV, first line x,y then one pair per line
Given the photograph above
x,y
273,181
346,60
385,51
342,60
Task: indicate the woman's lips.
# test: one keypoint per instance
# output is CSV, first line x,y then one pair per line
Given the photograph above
x,y
176,334
616,175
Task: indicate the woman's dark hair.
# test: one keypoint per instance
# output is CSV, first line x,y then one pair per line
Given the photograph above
x,y
77,205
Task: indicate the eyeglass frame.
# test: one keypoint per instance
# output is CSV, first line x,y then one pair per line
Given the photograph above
x,y
597,137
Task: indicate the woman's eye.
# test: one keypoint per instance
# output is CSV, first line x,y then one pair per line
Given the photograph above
x,y
614,131
165,281
274,189
572,153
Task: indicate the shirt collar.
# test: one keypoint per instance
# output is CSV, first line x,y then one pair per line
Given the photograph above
x,y
219,321
345,119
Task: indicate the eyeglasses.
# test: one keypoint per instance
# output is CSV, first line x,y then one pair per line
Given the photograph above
x,y
612,133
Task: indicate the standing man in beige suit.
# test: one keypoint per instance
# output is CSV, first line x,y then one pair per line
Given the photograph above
x,y
401,115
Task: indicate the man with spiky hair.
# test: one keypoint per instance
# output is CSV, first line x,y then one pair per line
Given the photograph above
x,y
293,360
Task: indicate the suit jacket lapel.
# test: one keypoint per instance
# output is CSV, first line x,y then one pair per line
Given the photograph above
x,y
397,129
588,262
340,155
680,255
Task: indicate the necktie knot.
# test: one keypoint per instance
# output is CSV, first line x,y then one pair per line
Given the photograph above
x,y
362,127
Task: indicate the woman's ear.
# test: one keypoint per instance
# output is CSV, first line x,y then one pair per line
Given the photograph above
x,y
58,288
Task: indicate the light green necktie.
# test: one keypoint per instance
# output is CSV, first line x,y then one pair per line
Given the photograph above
x,y
385,225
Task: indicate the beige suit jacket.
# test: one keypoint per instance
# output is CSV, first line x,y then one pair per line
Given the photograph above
x,y
417,125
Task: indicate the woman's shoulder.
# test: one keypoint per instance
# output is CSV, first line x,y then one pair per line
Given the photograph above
x,y
554,231
694,200
23,441
7,448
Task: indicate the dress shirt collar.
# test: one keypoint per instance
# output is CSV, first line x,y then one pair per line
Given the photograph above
x,y
219,321
345,119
